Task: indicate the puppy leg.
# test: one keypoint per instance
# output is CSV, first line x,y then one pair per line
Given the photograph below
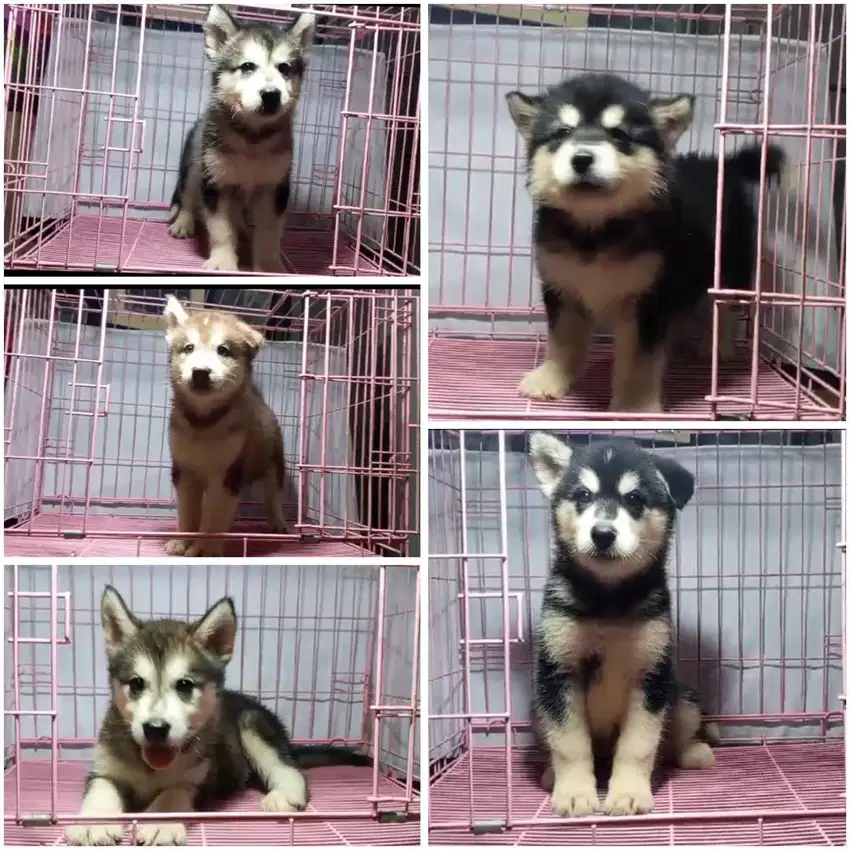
x,y
569,338
285,783
217,514
190,494
218,219
180,799
638,370
181,223
273,486
571,753
684,747
268,220
101,798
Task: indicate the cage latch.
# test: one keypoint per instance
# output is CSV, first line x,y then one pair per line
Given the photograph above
x,y
37,820
483,827
392,817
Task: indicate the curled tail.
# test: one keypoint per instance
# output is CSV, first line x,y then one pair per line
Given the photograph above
x,y
745,164
324,755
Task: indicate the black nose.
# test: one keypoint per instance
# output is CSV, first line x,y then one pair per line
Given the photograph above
x,y
156,731
581,162
201,379
603,537
270,99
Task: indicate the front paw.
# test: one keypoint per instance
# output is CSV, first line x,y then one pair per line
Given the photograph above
x,y
176,547
94,835
284,801
222,260
628,797
183,226
572,798
547,381
271,265
205,549
161,834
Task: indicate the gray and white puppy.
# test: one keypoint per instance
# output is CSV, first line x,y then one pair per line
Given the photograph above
x,y
235,168
604,683
174,739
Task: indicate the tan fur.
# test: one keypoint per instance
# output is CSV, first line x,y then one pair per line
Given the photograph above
x,y
571,755
638,375
681,747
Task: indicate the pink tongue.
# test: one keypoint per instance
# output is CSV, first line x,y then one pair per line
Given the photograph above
x,y
159,757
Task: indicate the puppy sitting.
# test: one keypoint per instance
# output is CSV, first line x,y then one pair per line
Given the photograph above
x,y
223,436
604,682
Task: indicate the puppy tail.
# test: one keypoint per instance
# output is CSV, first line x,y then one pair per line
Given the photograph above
x,y
745,164
321,755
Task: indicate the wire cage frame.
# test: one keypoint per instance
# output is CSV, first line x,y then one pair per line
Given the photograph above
x,y
99,98
353,681
87,402
760,74
755,574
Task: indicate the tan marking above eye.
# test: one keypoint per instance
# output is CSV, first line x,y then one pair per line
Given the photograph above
x,y
569,115
612,117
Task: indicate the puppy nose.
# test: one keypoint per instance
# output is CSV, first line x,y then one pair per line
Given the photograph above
x,y
582,161
603,537
156,731
201,379
270,99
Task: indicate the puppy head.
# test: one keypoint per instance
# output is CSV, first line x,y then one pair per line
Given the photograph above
x,y
597,145
166,675
613,504
259,68
210,353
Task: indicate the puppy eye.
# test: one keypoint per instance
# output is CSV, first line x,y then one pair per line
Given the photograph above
x,y
583,495
618,134
247,67
634,499
284,69
184,686
223,351
188,349
136,685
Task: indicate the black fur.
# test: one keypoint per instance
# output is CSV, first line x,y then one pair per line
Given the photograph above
x,y
281,197
175,474
234,478
185,165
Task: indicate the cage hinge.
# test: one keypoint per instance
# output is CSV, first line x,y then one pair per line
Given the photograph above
x,y
74,534
734,417
106,267
37,820
483,827
392,817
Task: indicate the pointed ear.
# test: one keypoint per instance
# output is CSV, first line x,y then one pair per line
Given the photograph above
x,y
678,480
175,317
672,116
550,458
303,30
524,110
117,620
219,27
216,630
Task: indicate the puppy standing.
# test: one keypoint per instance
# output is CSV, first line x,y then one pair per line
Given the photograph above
x,y
604,681
223,436
236,161
175,740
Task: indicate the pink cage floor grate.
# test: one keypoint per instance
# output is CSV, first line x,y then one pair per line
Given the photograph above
x,y
331,789
784,776
88,242
132,542
478,379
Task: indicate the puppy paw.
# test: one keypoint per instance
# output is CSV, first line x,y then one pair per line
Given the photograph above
x,y
574,799
183,226
696,755
270,265
222,260
290,800
176,547
161,834
205,549
628,798
547,381
94,835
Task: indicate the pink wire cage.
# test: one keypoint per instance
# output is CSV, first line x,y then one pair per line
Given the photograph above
x,y
87,463
353,681
760,74
99,98
755,575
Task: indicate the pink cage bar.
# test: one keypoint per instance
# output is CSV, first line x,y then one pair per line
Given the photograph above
x,y
759,73
99,98
755,576
87,465
354,681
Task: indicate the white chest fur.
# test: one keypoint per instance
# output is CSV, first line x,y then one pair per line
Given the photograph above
x,y
249,169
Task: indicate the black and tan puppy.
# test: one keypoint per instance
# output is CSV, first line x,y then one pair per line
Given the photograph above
x,y
604,682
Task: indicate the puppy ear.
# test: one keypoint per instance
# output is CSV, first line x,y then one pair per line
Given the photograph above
x,y
175,317
550,458
216,630
524,110
219,27
117,620
677,479
253,339
672,116
303,30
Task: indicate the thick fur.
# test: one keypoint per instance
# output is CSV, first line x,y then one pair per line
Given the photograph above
x,y
235,167
169,674
604,684
223,436
624,230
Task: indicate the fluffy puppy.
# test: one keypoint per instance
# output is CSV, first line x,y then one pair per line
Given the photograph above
x,y
604,683
223,436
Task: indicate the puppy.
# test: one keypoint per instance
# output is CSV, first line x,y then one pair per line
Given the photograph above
x,y
624,230
236,161
174,739
603,680
223,436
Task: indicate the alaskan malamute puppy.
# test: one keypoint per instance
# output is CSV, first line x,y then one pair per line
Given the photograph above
x,y
604,683
237,158
174,739
223,436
